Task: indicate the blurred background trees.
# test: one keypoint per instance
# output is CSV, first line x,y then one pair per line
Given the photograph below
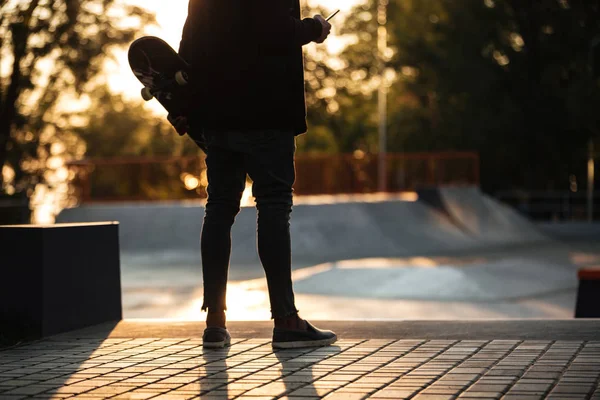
x,y
509,79
116,126
50,54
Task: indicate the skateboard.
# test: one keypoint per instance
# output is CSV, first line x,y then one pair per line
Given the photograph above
x,y
163,73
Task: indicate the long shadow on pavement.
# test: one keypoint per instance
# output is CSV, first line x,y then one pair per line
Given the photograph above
x,y
300,371
58,365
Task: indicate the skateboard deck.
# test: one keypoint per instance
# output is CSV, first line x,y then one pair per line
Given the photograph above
x,y
163,73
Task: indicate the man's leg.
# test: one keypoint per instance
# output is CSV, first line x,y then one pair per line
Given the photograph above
x,y
226,183
270,164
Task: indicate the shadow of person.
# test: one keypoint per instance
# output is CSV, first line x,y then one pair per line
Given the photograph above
x,y
300,370
214,378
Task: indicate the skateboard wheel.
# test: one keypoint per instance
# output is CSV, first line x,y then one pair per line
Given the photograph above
x,y
181,78
147,94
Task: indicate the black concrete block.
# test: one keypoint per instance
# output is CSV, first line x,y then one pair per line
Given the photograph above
x,y
588,294
14,210
58,278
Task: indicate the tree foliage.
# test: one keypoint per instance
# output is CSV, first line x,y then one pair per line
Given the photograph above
x,y
50,51
507,78
116,132
116,127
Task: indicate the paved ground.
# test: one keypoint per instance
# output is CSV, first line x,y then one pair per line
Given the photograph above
x,y
103,364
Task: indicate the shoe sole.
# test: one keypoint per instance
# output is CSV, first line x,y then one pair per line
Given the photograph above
x,y
217,345
304,343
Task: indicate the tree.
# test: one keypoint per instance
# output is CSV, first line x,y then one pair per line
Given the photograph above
x,y
507,78
116,129
113,127
340,100
55,48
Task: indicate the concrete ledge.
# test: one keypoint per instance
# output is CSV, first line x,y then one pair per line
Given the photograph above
x,y
57,278
585,330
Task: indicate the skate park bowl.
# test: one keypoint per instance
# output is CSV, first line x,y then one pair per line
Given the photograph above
x,y
446,252
170,232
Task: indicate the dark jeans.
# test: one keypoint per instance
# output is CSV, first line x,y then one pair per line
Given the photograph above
x,y
268,158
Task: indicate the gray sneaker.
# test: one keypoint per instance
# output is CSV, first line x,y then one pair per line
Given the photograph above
x,y
216,338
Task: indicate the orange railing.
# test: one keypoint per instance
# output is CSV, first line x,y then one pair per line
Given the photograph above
x,y
178,178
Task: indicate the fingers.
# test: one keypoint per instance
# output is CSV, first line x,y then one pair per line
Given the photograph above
x,y
175,120
179,123
326,25
326,28
181,126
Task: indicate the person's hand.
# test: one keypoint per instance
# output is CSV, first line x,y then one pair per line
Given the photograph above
x,y
326,28
179,123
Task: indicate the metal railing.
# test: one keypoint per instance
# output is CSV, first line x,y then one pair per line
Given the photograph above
x,y
179,178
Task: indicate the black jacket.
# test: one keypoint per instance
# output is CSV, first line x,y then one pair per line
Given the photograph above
x,y
247,63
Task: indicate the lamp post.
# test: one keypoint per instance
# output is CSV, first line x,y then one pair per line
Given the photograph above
x,y
382,94
594,62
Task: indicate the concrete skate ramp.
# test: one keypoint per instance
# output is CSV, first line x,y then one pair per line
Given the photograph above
x,y
170,232
356,230
155,234
481,216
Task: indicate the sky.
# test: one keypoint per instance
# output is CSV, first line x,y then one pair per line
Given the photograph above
x,y
171,17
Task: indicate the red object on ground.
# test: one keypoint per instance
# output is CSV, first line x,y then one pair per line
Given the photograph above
x,y
589,274
588,293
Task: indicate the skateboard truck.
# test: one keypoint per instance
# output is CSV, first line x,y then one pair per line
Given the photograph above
x,y
181,79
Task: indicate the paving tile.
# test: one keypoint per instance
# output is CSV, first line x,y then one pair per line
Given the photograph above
x,y
482,395
427,396
523,397
28,390
345,396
